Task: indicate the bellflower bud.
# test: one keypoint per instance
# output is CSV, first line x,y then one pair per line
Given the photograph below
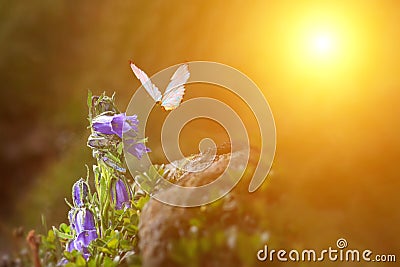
x,y
80,191
122,195
83,221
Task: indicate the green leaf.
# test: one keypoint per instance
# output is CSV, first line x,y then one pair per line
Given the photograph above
x,y
126,221
50,236
126,245
68,255
92,263
105,250
109,262
89,99
80,261
141,202
113,243
103,190
64,228
113,158
61,234
120,148
132,228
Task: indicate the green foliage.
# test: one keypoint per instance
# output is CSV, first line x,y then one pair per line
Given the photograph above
x,y
50,249
150,181
64,231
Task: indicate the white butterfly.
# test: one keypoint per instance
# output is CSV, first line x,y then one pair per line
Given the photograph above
x,y
175,90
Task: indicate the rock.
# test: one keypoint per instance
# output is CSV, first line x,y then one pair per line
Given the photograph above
x,y
227,232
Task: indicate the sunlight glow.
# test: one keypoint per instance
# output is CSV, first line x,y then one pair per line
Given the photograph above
x,y
318,43
325,46
323,43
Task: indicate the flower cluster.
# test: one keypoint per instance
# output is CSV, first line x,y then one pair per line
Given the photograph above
x,y
81,220
111,132
104,216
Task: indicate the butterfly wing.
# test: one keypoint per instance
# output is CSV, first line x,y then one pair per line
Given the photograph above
x,y
146,82
175,90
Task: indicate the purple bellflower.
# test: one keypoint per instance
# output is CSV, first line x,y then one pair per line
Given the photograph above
x,y
80,191
117,124
82,241
120,125
82,221
138,149
122,196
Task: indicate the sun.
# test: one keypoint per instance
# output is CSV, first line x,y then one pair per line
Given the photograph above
x,y
322,43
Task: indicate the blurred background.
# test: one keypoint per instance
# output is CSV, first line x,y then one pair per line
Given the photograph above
x,y
329,69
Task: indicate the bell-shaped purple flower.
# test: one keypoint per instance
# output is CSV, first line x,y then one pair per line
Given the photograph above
x,y
138,150
83,221
83,240
81,243
122,195
80,191
117,124
120,125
